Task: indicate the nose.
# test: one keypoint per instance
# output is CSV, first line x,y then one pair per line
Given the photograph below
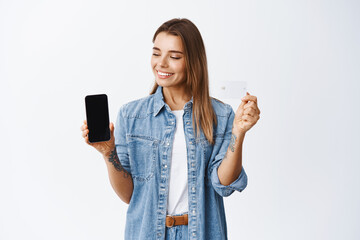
x,y
163,62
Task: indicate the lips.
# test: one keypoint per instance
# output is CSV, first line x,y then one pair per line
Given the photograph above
x,y
164,75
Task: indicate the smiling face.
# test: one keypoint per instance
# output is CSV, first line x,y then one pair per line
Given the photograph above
x,y
168,61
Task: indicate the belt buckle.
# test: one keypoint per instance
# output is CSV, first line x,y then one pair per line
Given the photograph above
x,y
173,223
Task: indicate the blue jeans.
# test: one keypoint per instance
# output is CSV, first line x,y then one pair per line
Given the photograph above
x,y
179,232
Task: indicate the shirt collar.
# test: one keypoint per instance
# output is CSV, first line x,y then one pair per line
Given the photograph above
x,y
159,102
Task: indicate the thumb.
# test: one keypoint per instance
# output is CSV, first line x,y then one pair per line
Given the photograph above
x,y
241,107
111,126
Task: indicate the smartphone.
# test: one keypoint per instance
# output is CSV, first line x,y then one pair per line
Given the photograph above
x,y
97,117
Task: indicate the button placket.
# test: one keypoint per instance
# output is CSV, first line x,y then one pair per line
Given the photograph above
x,y
165,165
163,188
191,172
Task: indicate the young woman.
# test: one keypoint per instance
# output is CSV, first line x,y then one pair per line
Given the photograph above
x,y
175,154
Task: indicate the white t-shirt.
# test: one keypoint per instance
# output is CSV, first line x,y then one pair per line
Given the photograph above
x,y
178,183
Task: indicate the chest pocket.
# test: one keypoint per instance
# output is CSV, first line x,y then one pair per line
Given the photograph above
x,y
142,156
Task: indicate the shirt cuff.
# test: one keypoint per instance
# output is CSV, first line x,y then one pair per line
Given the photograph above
x,y
239,184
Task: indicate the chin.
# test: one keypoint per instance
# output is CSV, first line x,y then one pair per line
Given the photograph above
x,y
162,83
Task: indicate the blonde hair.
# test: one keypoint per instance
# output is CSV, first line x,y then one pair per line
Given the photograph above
x,y
197,80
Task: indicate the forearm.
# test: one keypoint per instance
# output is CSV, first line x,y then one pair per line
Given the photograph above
x,y
121,181
231,165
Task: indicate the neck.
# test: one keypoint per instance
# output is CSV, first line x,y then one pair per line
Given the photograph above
x,y
176,97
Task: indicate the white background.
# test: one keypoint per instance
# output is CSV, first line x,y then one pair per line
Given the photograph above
x,y
300,58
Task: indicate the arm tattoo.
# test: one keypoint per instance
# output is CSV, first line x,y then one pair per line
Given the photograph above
x,y
232,142
114,159
231,145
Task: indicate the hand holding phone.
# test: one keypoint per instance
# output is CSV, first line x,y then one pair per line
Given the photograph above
x,y
105,148
94,106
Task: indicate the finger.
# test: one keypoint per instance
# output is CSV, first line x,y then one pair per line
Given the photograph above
x,y
111,126
87,140
248,118
250,104
253,105
83,127
250,111
85,133
256,108
240,108
251,119
249,98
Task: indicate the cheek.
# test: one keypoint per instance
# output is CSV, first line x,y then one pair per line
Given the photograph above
x,y
152,63
180,68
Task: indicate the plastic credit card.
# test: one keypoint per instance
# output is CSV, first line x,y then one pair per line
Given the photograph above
x,y
230,89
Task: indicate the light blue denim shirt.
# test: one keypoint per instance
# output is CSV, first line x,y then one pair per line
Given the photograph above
x,y
144,134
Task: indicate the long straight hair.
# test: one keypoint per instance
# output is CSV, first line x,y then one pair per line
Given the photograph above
x,y
196,72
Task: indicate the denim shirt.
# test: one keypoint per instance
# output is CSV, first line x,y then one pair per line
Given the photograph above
x,y
144,134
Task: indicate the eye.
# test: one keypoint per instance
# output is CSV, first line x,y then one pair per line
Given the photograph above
x,y
156,54
177,58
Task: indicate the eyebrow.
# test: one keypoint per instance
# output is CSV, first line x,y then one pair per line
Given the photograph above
x,y
172,51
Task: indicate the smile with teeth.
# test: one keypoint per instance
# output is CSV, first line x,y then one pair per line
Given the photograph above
x,y
164,75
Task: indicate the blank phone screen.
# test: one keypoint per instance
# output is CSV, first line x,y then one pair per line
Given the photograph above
x,y
97,116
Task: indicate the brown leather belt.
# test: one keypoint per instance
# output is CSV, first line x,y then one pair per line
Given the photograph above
x,y
176,220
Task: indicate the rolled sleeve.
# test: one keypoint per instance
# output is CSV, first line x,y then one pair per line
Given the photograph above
x,y
241,182
120,140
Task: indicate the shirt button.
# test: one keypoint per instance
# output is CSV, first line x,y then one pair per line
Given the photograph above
x,y
191,142
193,211
193,189
172,123
159,234
165,166
194,234
187,123
167,143
193,164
